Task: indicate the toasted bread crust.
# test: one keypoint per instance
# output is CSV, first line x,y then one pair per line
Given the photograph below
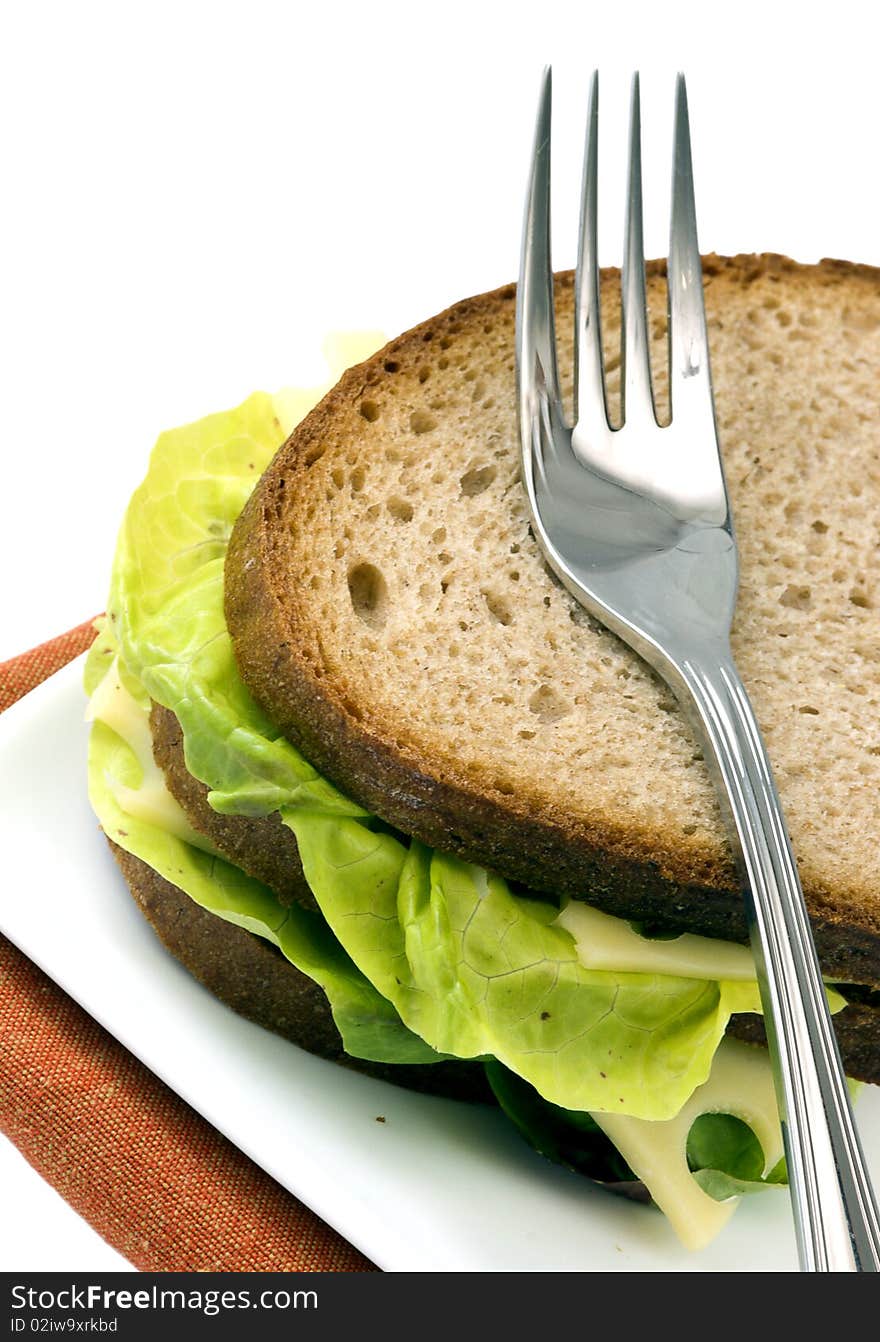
x,y
262,846
618,867
256,981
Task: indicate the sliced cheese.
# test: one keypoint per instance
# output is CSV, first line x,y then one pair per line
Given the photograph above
x,y
741,1084
151,801
605,942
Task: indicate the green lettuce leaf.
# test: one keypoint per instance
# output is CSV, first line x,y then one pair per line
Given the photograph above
x,y
166,604
476,970
726,1158
561,1135
369,1025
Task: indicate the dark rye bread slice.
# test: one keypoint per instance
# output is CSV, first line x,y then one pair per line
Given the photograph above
x,y
390,610
262,846
253,978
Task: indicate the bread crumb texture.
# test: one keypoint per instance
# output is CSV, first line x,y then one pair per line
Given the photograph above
x,y
426,609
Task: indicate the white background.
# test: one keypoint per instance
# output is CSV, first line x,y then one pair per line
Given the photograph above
x,y
195,193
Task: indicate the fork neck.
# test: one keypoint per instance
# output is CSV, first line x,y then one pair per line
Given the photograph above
x,y
836,1219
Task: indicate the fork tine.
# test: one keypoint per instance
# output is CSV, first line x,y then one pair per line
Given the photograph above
x,y
590,400
636,396
689,379
535,331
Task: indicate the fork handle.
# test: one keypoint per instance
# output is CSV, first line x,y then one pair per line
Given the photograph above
x,y
835,1214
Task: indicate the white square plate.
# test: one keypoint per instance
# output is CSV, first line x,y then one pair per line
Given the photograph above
x,y
437,1186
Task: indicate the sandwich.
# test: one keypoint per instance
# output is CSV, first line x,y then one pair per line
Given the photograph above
x,y
380,783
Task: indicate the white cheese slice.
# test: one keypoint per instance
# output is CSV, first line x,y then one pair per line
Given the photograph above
x,y
605,942
741,1084
151,801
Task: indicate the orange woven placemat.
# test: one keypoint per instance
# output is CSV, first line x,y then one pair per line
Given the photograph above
x,y
152,1177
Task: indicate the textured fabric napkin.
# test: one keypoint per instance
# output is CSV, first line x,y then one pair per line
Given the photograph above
x,y
152,1177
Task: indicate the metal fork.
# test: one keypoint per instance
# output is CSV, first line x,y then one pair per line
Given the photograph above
x,y
636,523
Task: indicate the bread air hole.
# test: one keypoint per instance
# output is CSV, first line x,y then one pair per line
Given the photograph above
x,y
795,597
548,706
369,594
476,480
400,509
421,421
499,609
